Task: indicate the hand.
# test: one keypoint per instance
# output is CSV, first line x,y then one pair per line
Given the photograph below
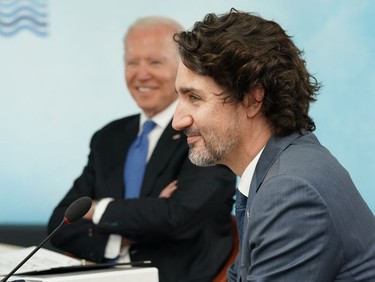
x,y
168,191
126,242
90,213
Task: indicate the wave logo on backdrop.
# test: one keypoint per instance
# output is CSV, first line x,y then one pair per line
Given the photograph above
x,y
18,16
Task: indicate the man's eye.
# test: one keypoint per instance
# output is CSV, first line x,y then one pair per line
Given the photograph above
x,y
193,98
131,63
155,62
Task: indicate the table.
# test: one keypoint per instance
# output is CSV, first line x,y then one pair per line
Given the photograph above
x,y
112,274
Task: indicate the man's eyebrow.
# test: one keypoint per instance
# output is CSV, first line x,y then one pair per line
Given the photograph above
x,y
184,90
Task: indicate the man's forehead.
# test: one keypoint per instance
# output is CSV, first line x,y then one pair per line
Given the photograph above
x,y
189,81
186,76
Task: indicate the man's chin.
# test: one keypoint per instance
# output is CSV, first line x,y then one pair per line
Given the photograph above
x,y
200,159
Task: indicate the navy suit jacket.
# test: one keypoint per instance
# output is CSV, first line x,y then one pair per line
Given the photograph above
x,y
303,220
187,237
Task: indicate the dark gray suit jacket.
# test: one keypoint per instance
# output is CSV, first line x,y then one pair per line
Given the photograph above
x,y
187,237
304,219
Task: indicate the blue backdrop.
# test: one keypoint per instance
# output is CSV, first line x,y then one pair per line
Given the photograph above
x,y
61,78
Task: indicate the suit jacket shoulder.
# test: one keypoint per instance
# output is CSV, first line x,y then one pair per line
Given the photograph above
x,y
297,213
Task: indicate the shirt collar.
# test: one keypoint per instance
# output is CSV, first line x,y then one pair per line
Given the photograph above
x,y
247,175
161,119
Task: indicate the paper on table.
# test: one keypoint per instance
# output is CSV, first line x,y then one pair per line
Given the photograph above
x,y
42,260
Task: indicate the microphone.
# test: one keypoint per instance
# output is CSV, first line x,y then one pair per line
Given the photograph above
x,y
75,211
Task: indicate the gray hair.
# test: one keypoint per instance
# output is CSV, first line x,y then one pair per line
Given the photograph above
x,y
152,21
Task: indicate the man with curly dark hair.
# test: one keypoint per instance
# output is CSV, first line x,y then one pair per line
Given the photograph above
x,y
244,97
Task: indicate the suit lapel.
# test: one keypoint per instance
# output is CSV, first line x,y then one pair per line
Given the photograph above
x,y
163,152
271,152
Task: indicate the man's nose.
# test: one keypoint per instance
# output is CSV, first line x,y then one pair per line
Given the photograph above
x,y
143,72
181,118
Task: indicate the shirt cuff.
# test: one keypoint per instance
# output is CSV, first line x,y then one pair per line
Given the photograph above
x,y
112,250
100,209
113,247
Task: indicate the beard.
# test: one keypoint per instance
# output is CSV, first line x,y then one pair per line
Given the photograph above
x,y
215,148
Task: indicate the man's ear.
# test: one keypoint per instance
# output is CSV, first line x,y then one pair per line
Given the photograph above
x,y
253,101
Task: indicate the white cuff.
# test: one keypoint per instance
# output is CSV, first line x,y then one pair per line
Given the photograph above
x,y
112,250
100,209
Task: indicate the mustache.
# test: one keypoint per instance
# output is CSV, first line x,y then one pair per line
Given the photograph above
x,y
191,131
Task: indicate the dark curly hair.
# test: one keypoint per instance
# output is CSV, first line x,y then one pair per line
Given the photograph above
x,y
241,51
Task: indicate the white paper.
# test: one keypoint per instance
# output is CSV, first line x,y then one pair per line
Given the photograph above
x,y
43,259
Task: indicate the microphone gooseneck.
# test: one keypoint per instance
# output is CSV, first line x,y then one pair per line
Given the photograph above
x,y
75,211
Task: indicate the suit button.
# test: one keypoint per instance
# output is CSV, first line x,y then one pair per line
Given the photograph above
x,y
133,252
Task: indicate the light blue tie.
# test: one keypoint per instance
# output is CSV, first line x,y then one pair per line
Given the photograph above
x,y
135,163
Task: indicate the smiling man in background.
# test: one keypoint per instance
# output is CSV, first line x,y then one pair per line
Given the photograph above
x,y
171,212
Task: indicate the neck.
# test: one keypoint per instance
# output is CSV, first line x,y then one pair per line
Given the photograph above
x,y
253,140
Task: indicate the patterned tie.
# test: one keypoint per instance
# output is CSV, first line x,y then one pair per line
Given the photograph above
x,y
135,163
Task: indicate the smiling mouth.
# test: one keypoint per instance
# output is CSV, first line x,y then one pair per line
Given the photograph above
x,y
192,135
192,138
143,89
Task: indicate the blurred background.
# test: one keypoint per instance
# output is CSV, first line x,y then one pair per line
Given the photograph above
x,y
61,79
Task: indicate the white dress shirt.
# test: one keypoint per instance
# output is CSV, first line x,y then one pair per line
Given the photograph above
x,y
247,175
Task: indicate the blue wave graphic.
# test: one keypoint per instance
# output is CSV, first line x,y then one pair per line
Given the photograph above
x,y
20,28
11,3
21,10
24,19
23,15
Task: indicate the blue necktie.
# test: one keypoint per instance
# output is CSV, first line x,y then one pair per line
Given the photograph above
x,y
135,163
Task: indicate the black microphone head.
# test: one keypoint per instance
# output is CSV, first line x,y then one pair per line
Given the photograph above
x,y
77,209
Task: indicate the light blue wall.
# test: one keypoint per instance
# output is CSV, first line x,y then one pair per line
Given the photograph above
x,y
56,90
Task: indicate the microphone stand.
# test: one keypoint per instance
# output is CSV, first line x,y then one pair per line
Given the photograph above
x,y
75,211
34,251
